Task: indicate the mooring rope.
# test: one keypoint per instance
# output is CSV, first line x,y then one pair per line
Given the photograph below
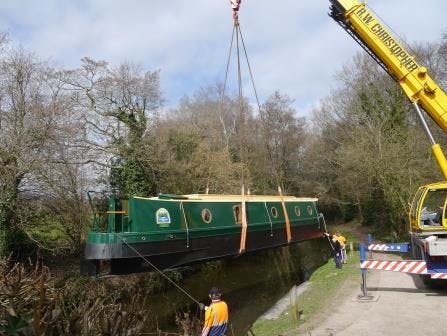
x,y
186,224
270,220
160,271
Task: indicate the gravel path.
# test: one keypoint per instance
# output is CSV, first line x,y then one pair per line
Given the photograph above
x,y
402,306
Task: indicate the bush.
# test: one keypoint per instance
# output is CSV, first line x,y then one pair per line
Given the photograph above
x,y
32,302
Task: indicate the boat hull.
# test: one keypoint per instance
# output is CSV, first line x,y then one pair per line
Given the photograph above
x,y
127,258
146,242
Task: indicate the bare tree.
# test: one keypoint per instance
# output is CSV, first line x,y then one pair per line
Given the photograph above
x,y
282,141
197,144
29,120
371,146
121,105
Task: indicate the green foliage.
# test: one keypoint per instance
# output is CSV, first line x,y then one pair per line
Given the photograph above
x,y
375,209
14,325
368,151
19,245
183,144
47,230
130,175
348,211
135,178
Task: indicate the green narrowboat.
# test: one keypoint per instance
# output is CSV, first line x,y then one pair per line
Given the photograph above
x,y
176,230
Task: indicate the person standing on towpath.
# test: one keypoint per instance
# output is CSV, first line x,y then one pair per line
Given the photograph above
x,y
336,247
342,240
216,315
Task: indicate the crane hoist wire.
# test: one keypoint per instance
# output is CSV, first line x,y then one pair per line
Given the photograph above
x,y
237,39
236,32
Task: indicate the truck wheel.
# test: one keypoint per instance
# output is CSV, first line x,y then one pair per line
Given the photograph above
x,y
427,280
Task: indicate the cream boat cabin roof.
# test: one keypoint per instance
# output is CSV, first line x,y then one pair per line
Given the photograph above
x,y
228,198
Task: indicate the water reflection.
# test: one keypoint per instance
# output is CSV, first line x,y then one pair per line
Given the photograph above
x,y
251,284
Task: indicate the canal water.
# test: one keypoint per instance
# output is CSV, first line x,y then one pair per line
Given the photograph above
x,y
251,284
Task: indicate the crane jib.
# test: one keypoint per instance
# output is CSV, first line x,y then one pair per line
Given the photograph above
x,y
393,46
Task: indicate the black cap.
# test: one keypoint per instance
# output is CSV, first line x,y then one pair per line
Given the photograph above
x,y
215,292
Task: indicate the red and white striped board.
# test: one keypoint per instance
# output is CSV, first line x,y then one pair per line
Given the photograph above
x,y
439,276
378,247
403,266
406,266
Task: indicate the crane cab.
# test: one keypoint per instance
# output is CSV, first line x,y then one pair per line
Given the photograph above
x,y
428,209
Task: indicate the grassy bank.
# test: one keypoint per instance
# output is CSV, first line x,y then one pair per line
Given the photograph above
x,y
327,285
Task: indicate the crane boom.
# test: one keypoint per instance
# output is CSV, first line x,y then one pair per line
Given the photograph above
x,y
372,34
428,212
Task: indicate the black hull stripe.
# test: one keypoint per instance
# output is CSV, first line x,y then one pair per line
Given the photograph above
x,y
175,253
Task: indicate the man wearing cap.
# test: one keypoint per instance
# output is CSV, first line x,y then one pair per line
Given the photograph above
x,y
216,315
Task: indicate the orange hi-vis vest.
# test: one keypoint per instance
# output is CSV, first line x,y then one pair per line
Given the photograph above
x,y
216,318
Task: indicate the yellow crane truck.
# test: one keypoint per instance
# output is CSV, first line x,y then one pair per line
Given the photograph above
x,y
427,215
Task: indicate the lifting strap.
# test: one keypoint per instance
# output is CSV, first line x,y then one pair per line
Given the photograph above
x,y
286,216
244,221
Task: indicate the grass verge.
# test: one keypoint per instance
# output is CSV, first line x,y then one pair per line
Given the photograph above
x,y
326,285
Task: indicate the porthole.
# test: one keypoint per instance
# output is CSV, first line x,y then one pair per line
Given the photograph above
x,y
297,211
237,214
274,212
309,210
206,216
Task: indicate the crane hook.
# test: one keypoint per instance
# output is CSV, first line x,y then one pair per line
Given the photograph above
x,y
235,4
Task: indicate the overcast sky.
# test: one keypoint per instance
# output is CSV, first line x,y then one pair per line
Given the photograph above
x,y
293,45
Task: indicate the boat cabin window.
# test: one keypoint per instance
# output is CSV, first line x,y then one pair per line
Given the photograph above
x,y
309,210
297,211
206,216
237,212
274,212
432,211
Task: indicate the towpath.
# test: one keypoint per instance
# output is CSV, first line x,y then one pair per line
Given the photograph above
x,y
402,306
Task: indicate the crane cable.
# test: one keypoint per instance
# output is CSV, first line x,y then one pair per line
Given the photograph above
x,y
242,136
252,80
240,44
274,167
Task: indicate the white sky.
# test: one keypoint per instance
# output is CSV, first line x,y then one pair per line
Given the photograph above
x,y
293,45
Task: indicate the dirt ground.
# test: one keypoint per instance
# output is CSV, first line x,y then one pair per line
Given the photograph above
x,y
402,305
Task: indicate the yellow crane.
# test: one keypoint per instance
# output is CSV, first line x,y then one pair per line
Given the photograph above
x,y
427,214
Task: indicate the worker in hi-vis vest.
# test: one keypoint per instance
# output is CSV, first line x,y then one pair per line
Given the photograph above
x,y
216,315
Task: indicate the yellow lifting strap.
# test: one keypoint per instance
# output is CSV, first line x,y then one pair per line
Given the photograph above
x,y
286,216
244,221
117,212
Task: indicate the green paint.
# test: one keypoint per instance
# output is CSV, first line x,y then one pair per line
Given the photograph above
x,y
159,219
